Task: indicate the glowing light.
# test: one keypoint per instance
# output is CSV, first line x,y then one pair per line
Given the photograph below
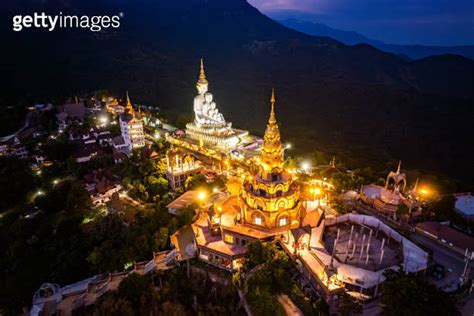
x,y
216,219
305,165
39,193
38,173
288,146
215,190
202,195
424,191
56,181
157,135
104,120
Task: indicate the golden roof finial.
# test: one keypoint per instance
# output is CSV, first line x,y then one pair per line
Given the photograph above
x,y
272,119
399,166
202,74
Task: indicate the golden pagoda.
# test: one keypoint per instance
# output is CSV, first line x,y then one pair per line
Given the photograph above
x,y
270,199
129,106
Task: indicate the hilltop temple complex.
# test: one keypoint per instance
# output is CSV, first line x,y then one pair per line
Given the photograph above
x,y
348,252
269,205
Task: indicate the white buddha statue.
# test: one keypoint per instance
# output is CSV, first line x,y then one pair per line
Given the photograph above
x,y
205,109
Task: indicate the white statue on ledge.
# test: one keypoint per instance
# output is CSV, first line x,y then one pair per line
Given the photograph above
x,y
205,109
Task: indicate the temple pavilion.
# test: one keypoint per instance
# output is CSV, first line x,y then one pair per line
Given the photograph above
x,y
388,198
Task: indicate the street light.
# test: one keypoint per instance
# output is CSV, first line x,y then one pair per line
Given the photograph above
x,y
104,119
424,191
305,165
202,196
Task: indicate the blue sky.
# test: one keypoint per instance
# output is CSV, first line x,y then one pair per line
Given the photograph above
x,y
429,22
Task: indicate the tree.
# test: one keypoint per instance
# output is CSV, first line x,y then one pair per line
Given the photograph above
x,y
78,198
157,185
134,287
15,181
408,294
257,253
195,181
161,238
59,149
443,208
347,305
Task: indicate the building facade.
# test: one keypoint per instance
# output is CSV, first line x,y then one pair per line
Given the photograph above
x,y
131,127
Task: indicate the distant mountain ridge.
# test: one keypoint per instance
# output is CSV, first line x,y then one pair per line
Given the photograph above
x,y
356,101
353,38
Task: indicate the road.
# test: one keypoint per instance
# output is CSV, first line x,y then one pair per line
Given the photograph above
x,y
25,125
445,257
290,308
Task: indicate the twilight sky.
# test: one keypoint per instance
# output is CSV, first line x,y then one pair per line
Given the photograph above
x,y
429,22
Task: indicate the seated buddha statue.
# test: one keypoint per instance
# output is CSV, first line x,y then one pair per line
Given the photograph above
x,y
206,112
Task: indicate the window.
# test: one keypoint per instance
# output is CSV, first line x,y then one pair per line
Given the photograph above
x,y
258,220
282,221
229,238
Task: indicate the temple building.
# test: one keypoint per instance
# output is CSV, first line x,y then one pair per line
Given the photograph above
x,y
210,129
131,127
112,105
387,199
268,205
179,167
270,199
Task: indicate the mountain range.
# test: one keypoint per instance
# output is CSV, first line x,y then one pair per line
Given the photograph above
x,y
353,38
353,101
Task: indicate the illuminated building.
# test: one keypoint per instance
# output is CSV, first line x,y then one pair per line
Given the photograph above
x,y
179,167
270,199
388,198
350,253
209,129
268,206
131,127
112,105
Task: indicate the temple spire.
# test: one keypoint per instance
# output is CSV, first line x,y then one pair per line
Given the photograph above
x,y
202,74
129,106
415,188
333,162
272,152
399,166
272,119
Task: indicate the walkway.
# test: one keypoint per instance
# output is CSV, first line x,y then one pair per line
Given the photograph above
x,y
21,129
290,308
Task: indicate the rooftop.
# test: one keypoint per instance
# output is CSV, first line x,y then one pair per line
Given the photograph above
x,y
185,199
447,233
465,204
